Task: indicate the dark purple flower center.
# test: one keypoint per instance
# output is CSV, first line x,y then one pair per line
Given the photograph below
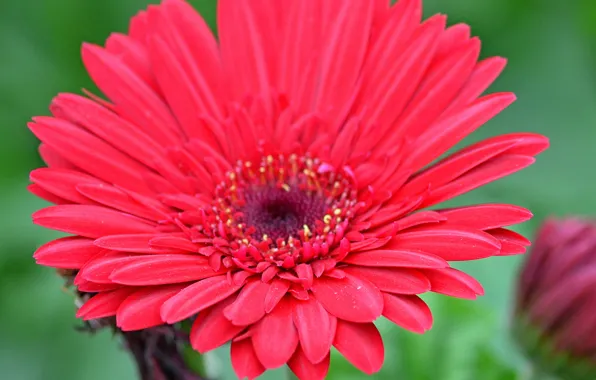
x,y
279,213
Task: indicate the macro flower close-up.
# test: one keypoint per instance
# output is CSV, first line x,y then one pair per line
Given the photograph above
x,y
297,189
278,186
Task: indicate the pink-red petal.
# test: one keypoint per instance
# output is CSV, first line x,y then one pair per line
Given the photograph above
x,y
140,310
361,344
351,298
315,329
197,297
275,338
409,312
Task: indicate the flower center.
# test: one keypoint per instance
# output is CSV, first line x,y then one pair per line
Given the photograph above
x,y
285,210
280,213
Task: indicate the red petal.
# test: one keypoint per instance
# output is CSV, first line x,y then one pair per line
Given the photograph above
x,y
393,280
104,304
211,329
63,182
245,361
141,309
361,344
99,269
396,258
197,297
275,338
138,243
314,329
447,132
350,298
249,306
278,289
512,243
487,216
409,312
452,282
89,221
305,370
448,242
489,171
163,269
68,253
134,100
126,201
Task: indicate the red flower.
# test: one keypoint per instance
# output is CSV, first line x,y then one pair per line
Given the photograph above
x,y
556,303
272,182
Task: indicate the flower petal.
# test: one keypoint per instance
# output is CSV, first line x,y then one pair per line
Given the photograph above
x,y
140,310
361,344
409,312
275,338
487,216
396,258
452,282
249,306
89,221
304,369
104,304
245,361
448,242
211,329
351,298
197,297
163,269
67,253
393,280
314,329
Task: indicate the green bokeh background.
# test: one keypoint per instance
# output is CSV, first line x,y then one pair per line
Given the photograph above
x,y
551,49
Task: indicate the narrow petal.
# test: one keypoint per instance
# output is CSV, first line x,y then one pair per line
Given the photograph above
x,y
448,132
275,338
314,329
396,258
197,297
278,289
140,310
103,161
490,171
163,269
393,280
89,221
452,282
303,368
133,99
67,253
449,243
138,243
211,329
249,306
104,304
361,344
245,361
409,312
351,298
63,182
487,216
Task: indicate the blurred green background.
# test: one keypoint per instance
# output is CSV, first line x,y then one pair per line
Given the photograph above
x,y
551,49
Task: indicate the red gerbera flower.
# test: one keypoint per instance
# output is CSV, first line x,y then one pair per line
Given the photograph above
x,y
272,181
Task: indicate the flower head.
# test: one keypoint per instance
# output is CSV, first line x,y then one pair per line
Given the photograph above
x,y
556,303
277,182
